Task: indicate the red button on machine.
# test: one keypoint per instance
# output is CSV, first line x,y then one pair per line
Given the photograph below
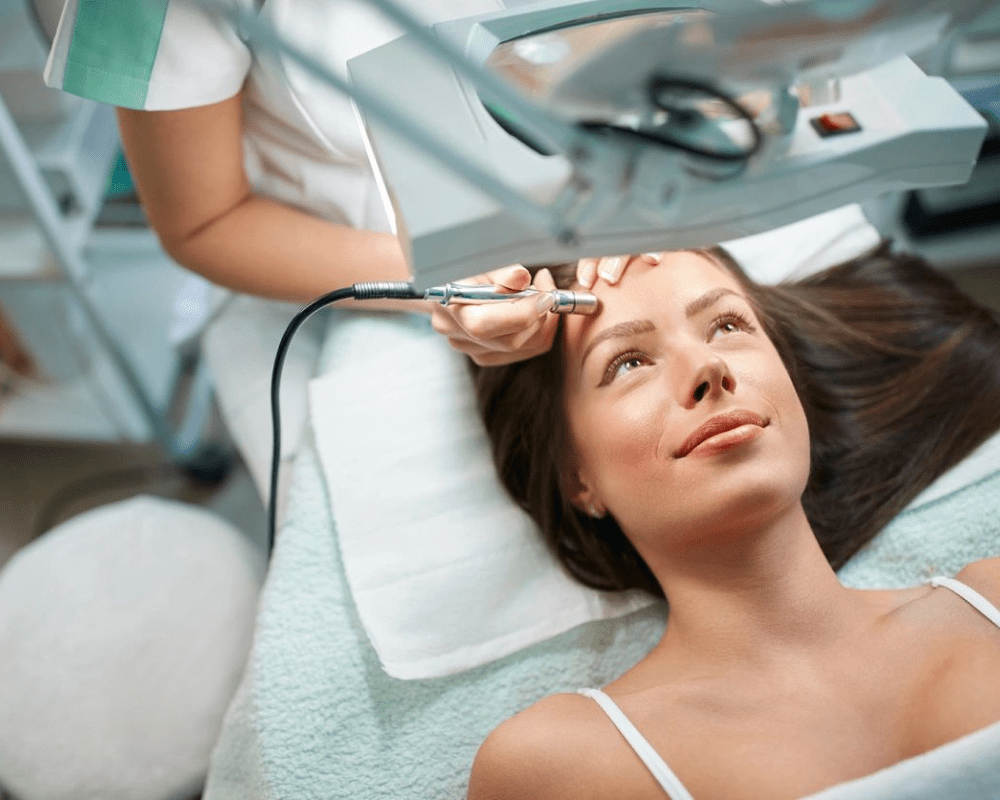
x,y
835,124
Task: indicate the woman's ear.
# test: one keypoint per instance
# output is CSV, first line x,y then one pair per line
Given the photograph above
x,y
581,494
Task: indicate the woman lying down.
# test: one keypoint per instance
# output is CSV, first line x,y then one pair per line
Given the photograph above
x,y
727,445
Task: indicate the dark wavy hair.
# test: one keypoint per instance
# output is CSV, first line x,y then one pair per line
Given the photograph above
x,y
897,369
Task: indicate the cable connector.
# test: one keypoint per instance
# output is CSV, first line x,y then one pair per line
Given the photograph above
x,y
385,290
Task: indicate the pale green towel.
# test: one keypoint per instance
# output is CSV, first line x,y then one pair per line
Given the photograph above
x,y
317,717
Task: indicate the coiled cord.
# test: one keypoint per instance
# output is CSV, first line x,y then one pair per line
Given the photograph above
x,y
658,91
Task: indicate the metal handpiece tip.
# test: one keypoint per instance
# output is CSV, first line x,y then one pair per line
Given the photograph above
x,y
574,302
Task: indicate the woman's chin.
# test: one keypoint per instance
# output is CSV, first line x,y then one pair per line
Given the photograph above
x,y
733,504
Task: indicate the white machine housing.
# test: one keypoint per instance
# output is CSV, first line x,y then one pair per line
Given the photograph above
x,y
914,131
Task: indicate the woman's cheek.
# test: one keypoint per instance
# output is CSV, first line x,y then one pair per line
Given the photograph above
x,y
771,381
627,436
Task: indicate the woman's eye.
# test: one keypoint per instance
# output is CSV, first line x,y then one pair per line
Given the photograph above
x,y
621,365
730,323
628,366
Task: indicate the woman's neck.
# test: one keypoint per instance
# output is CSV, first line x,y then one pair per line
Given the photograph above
x,y
757,599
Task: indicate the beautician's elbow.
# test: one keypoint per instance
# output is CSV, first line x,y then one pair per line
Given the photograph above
x,y
204,248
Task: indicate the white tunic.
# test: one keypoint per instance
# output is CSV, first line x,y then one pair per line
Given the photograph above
x,y
302,141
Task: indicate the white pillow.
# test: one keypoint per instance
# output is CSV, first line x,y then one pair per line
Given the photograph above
x,y
447,573
123,634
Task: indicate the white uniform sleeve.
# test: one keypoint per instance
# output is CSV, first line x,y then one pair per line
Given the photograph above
x,y
147,54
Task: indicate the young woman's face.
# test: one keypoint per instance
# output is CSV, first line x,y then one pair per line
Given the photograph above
x,y
684,420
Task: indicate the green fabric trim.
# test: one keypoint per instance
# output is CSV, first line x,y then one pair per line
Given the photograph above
x,y
113,50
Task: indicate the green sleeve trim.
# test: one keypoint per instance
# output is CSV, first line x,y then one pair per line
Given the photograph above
x,y
105,87
113,50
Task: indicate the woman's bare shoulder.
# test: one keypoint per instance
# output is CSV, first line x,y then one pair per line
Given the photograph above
x,y
545,752
984,577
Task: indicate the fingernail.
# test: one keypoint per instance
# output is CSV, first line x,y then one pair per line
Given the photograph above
x,y
653,257
544,302
507,274
611,269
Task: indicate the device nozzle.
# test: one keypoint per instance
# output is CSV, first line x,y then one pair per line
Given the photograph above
x,y
566,302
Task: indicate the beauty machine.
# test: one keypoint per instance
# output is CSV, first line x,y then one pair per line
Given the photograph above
x,y
589,127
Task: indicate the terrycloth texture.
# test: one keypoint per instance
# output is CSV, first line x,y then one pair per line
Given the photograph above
x,y
979,464
449,573
446,571
318,718
237,768
937,538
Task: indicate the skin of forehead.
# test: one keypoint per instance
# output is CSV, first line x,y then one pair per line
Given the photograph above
x,y
577,328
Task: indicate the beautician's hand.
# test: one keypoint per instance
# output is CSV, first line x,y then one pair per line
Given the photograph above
x,y
608,268
493,334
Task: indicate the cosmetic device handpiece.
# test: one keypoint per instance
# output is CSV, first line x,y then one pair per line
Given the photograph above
x,y
563,301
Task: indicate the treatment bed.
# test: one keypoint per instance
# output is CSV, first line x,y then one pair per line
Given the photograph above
x,y
383,657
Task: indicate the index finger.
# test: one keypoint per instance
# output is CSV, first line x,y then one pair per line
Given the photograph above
x,y
513,277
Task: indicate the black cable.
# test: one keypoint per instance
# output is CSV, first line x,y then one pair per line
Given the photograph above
x,y
373,290
655,89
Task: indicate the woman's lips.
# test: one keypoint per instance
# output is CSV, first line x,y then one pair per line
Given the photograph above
x,y
725,430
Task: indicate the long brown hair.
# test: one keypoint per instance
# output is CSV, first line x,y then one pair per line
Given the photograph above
x,y
897,369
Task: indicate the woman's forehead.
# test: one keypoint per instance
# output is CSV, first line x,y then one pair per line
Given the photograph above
x,y
680,277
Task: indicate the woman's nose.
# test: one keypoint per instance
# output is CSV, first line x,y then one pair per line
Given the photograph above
x,y
711,380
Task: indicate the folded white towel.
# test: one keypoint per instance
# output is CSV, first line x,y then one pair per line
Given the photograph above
x,y
446,571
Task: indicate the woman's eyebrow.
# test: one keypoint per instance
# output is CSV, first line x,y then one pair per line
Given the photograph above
x,y
622,329
710,297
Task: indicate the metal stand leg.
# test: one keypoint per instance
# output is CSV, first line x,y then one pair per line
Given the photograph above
x,y
182,447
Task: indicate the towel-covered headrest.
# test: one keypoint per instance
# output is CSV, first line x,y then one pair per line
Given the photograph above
x,y
446,571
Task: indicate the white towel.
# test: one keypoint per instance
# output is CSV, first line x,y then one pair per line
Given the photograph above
x,y
446,571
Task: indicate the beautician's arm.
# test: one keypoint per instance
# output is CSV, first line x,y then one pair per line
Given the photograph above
x,y
188,170
497,335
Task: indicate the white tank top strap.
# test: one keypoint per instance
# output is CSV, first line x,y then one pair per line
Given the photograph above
x,y
664,775
971,596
